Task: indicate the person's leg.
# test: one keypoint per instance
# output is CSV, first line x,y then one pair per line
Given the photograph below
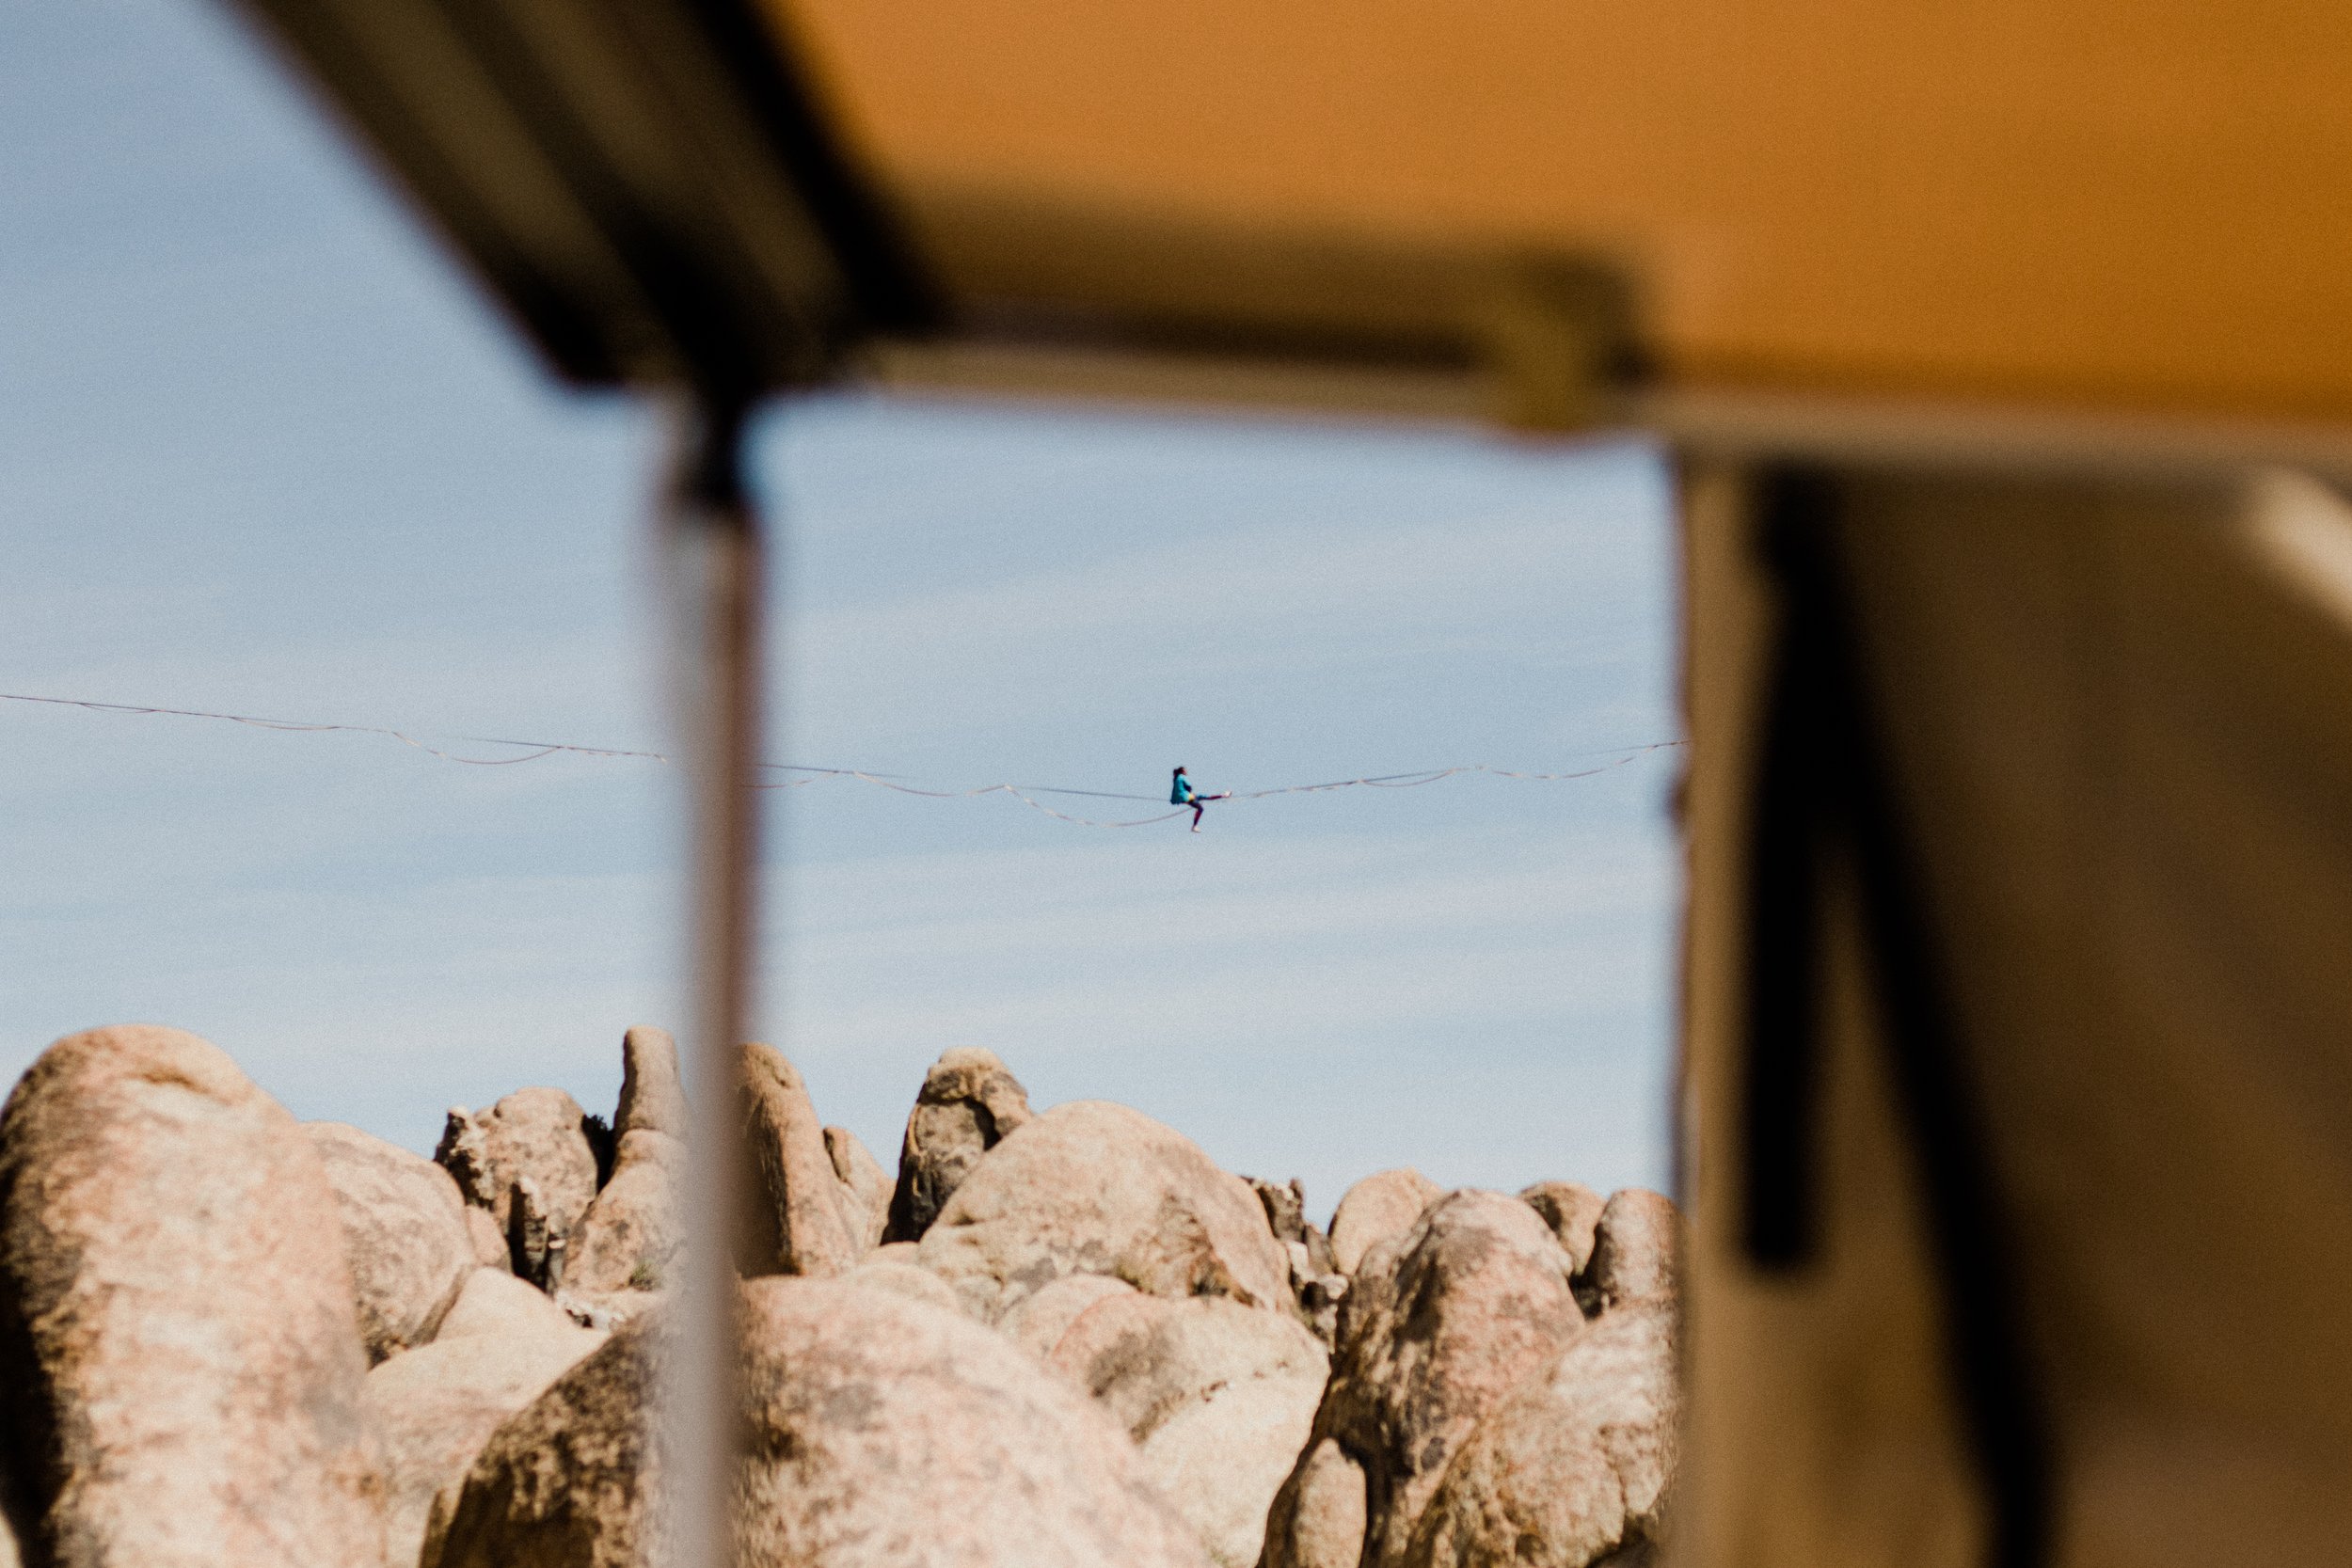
x,y
1196,809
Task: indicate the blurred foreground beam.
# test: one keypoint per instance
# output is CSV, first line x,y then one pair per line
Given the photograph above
x,y
714,556
1067,298
645,187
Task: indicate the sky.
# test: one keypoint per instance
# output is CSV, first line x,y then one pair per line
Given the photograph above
x,y
264,451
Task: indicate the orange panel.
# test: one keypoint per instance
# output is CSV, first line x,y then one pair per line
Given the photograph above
x,y
2126,205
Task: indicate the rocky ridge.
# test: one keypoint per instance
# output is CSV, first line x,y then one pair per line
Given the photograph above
x,y
1056,1338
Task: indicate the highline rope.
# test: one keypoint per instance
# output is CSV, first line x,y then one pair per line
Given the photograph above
x,y
534,751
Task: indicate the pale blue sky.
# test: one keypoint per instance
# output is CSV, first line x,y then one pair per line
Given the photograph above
x,y
262,450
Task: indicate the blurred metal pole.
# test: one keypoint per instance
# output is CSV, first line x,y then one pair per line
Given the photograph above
x,y
712,560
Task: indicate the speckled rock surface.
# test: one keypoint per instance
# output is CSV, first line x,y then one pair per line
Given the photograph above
x,y
631,1237
865,1190
432,1408
1575,1467
1219,1396
567,1480
1573,1210
405,1235
886,1433
1096,1188
1038,1323
1637,1250
536,1133
794,1220
1443,1324
176,1330
968,1104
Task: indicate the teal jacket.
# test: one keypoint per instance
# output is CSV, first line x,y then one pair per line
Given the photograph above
x,y
1181,793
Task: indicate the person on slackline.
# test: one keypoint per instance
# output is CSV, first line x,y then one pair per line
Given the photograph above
x,y
1181,793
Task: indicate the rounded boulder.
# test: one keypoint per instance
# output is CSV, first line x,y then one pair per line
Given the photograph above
x,y
431,1409
1220,1398
405,1235
1090,1187
537,1134
1637,1250
1573,1211
630,1236
1442,1326
1383,1204
884,1432
1576,1466
968,1104
178,1340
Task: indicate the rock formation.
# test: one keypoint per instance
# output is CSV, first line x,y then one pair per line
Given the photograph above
x,y
1315,1276
631,1237
569,1479
1038,1323
1380,1206
404,1236
883,1433
653,1097
1637,1250
1285,1209
1442,1325
1095,1188
536,1135
1318,1515
795,1220
1573,1211
1103,1349
1574,1467
968,1104
536,1242
1219,1396
179,1354
431,1409
1285,1206
918,1439
866,1191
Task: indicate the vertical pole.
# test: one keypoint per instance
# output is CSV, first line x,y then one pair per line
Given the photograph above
x,y
712,556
